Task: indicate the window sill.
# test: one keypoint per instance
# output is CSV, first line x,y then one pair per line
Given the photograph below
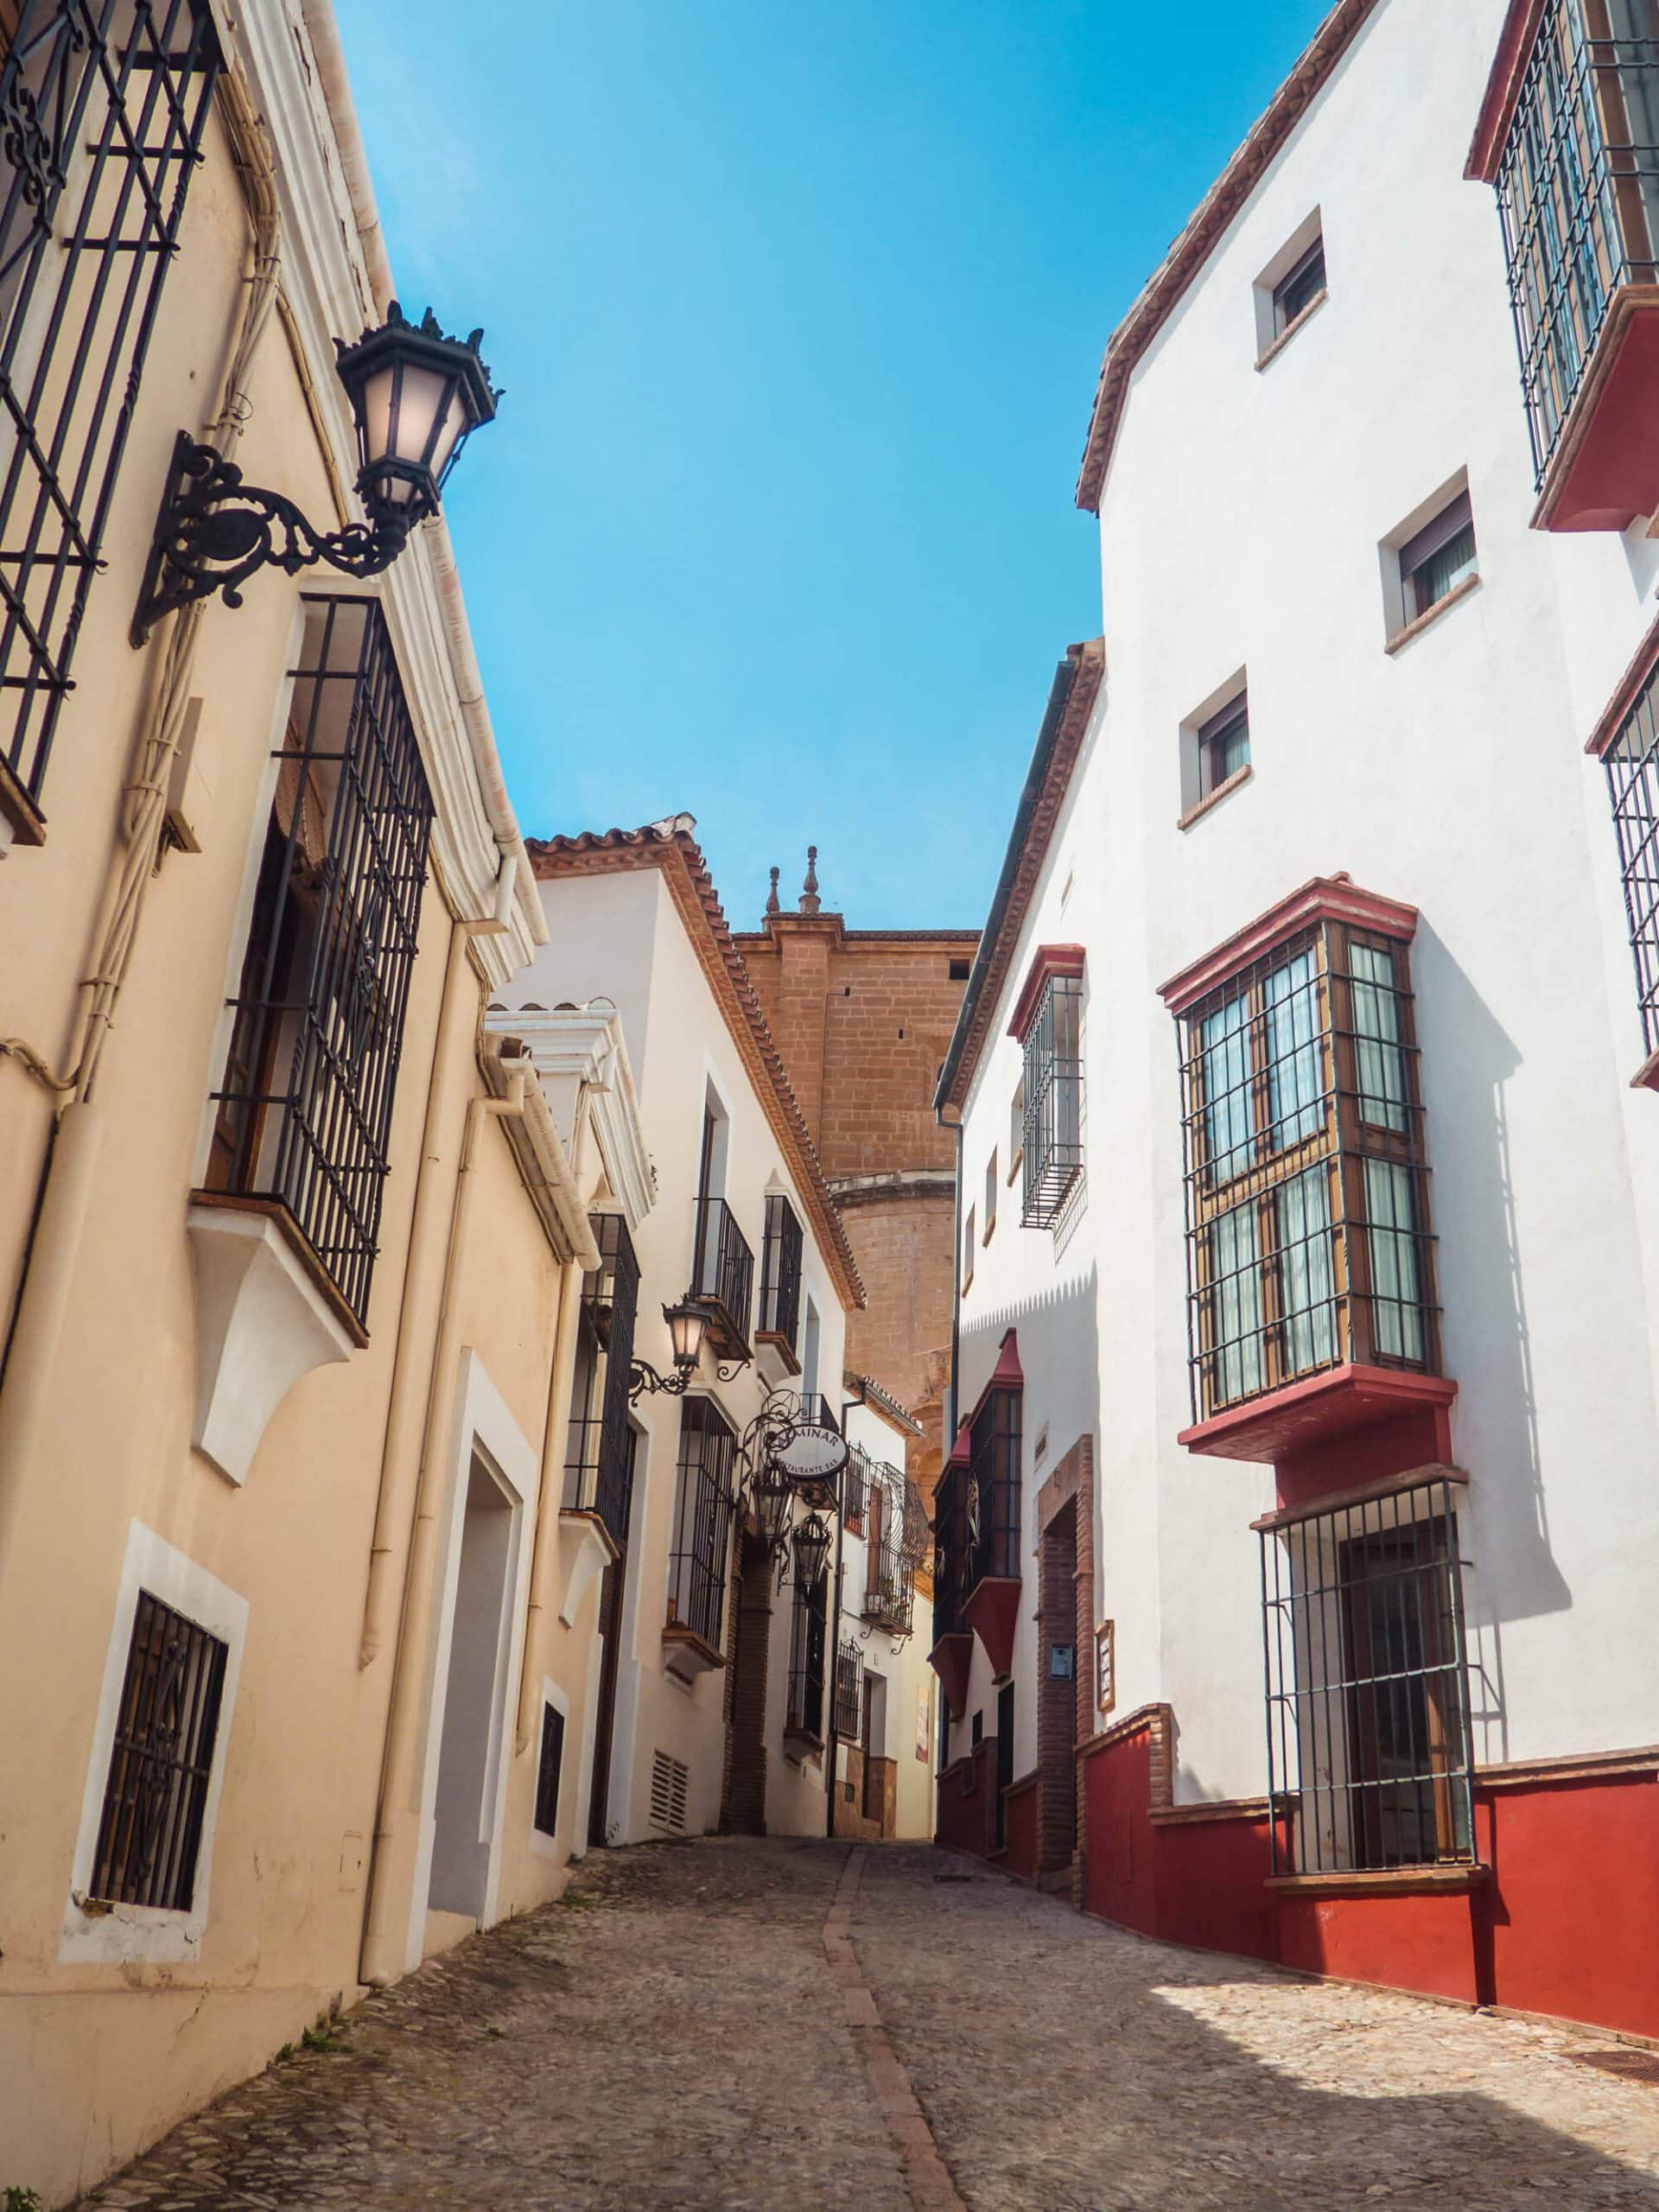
x,y
1647,1076
686,1654
1450,1880
783,1352
1334,1403
1224,790
1414,630
19,812
1266,358
991,1230
1015,1165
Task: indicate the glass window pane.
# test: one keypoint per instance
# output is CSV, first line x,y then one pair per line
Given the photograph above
x,y
1227,1118
1295,1099
1396,1296
1306,1282
1236,1304
1380,1062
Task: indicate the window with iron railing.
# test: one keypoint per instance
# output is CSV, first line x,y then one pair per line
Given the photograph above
x,y
1367,1689
992,1502
1632,763
1308,1243
304,1107
1578,189
808,1641
850,1690
780,1271
856,1487
889,1577
1052,1141
950,1551
599,1454
166,1729
722,1273
550,1771
103,103
703,1512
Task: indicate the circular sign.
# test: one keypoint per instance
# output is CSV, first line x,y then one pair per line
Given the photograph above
x,y
811,1455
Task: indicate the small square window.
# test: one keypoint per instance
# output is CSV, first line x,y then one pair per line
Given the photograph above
x,y
990,1194
1223,746
155,1796
1437,559
959,971
1296,291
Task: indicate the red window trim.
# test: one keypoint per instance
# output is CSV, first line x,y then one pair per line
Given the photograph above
x,y
1326,897
1047,962
1502,90
1632,685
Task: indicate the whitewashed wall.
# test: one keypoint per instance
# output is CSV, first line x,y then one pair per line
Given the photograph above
x,y
1241,525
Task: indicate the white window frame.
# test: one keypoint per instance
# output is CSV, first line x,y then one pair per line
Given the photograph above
x,y
112,1934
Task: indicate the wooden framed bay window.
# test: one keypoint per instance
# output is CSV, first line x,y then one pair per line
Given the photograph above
x,y
1308,1239
103,104
304,1108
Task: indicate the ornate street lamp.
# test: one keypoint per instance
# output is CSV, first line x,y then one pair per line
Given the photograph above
x,y
688,1324
772,1494
417,396
812,1548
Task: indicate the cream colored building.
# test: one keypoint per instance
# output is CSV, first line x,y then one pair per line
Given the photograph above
x,y
713,1710
298,1644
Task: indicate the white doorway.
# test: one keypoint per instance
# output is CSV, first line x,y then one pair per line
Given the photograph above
x,y
474,1703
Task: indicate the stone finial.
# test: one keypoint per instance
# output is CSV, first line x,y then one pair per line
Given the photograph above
x,y
810,888
772,906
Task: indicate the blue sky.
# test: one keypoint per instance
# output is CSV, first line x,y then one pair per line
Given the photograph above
x,y
798,312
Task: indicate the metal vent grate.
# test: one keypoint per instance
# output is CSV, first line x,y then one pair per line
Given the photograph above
x,y
669,1778
1630,2065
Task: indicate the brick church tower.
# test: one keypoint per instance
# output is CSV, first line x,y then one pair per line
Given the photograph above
x,y
863,1019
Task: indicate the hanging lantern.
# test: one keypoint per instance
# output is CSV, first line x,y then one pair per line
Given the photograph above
x,y
812,1545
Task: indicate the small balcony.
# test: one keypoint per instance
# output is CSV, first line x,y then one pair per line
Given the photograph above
x,y
722,1278
1569,135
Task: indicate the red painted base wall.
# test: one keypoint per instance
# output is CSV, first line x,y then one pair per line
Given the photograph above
x,y
1568,1922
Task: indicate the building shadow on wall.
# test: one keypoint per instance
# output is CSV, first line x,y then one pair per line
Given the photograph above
x,y
1066,2066
1485,1331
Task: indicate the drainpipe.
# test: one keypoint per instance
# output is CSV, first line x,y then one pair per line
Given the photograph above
x,y
393,1505
949,1439
835,1661
382,1957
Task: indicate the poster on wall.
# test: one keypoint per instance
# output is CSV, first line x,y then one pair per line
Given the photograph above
x,y
924,1723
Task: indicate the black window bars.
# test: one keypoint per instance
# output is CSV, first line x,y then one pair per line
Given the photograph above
x,y
1632,765
1578,194
155,1796
889,1569
991,1506
804,1714
599,1454
305,1105
951,1558
103,103
722,1274
549,1770
1367,1684
703,1523
780,1271
1308,1241
1053,1095
850,1691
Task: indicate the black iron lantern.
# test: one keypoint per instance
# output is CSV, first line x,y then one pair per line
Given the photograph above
x,y
772,1494
811,1547
417,396
688,1325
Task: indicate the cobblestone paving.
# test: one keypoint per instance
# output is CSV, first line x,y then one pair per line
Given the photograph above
x,y
673,2038
1067,2066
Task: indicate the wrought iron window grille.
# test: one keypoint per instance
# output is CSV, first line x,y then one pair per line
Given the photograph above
x,y
723,1274
704,1511
1368,1735
850,1691
1052,1142
890,1556
155,1796
1308,1239
1577,195
780,1271
951,1556
990,1505
808,1640
549,1770
103,103
304,1106
599,1459
1632,765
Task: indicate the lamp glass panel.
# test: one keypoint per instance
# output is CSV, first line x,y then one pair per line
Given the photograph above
x,y
423,397
686,1324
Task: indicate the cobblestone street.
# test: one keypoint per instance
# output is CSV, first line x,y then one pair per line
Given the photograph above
x,y
691,2028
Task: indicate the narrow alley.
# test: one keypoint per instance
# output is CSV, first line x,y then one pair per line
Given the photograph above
x,y
662,2038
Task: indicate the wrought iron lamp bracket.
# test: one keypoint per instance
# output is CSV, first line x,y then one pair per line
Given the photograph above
x,y
214,531
643,1377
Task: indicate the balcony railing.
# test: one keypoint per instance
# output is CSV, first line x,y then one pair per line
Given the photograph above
x,y
1578,191
703,1527
722,1274
780,1272
889,1570
951,1552
804,1714
599,1456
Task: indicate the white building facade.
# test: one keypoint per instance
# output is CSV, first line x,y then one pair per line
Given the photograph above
x,y
1293,1561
